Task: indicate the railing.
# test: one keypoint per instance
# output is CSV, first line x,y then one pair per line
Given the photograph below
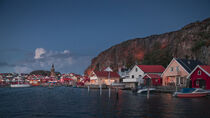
x,y
175,73
130,80
167,88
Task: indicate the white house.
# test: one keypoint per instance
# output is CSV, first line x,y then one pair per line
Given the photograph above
x,y
135,76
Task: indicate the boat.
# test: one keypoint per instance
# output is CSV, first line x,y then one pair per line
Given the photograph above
x,y
144,90
19,85
191,93
208,92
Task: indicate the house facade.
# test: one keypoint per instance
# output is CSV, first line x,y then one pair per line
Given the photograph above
x,y
104,77
177,71
135,76
155,79
200,77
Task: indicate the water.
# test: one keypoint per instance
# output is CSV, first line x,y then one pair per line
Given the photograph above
x,y
70,102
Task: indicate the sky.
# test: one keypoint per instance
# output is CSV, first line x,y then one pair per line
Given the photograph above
x,y
34,34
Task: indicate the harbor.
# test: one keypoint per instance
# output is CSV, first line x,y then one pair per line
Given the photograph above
x,y
104,59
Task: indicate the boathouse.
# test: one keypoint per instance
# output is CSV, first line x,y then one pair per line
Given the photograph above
x,y
154,78
200,77
104,77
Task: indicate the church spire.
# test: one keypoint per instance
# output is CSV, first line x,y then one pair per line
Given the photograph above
x,y
52,72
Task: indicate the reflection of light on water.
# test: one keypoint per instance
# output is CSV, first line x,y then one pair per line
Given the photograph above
x,y
77,102
119,102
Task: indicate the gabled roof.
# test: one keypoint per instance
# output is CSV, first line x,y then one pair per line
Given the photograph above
x,y
108,69
152,76
204,68
151,68
105,74
187,64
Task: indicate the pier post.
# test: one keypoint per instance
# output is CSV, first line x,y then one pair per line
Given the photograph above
x,y
148,87
100,89
148,92
88,88
117,93
109,84
109,91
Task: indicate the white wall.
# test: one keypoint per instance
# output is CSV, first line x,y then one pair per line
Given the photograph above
x,y
138,75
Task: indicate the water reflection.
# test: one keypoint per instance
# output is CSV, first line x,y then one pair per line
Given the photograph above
x,y
77,103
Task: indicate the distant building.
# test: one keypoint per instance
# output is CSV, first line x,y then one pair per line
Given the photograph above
x,y
52,72
123,72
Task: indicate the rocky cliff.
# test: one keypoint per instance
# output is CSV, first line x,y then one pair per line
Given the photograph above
x,y
192,41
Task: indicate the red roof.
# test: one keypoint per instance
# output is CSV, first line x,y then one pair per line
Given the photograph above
x,y
152,76
67,79
206,68
152,68
105,74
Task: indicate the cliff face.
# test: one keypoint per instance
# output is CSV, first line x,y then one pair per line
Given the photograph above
x,y
192,41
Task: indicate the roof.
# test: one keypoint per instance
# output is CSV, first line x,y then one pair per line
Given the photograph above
x,y
187,64
206,68
152,68
105,74
152,76
108,69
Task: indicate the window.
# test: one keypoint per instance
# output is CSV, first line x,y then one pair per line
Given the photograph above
x,y
136,69
181,80
172,69
199,72
197,82
177,81
132,76
177,68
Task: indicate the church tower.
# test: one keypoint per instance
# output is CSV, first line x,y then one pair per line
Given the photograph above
x,y
52,72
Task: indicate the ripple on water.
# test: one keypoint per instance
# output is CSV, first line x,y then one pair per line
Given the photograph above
x,y
76,103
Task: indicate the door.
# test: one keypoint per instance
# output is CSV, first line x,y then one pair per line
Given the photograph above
x,y
190,86
200,83
177,80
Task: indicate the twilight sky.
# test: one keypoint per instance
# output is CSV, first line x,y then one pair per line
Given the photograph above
x,y
37,33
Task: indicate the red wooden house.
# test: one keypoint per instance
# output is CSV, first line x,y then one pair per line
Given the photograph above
x,y
156,80
200,77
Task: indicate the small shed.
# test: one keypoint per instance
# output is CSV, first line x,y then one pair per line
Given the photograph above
x,y
155,79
